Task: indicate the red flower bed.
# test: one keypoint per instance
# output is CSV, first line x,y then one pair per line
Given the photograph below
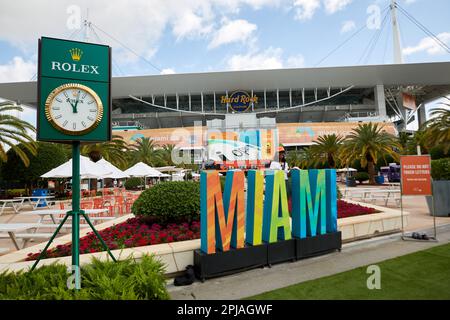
x,y
132,233
346,210
136,233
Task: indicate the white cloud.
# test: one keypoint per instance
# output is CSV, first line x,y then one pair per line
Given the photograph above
x,y
305,9
429,45
233,31
348,26
332,6
271,58
297,61
168,71
17,70
139,24
268,59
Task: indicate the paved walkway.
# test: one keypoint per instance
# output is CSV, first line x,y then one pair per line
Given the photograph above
x,y
353,255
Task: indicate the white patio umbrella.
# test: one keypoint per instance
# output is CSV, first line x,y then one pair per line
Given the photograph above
x,y
88,170
141,169
116,173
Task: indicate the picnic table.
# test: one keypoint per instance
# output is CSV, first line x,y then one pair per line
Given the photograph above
x,y
54,213
4,204
373,194
34,203
13,228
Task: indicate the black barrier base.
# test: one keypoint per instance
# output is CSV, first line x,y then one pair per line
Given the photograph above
x,y
319,245
224,263
281,251
233,261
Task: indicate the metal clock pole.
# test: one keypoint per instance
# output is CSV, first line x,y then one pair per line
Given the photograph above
x,y
75,212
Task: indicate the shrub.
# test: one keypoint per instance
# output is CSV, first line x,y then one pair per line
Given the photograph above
x,y
133,183
361,177
172,201
440,169
123,280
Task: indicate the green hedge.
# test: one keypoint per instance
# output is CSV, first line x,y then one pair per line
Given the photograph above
x,y
440,169
173,201
133,183
362,176
124,280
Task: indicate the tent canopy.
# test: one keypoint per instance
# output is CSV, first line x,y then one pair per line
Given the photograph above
x,y
88,170
347,170
116,173
141,169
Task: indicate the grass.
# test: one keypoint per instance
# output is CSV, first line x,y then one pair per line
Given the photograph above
x,y
421,275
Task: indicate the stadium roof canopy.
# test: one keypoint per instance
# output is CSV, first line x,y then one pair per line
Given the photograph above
x,y
432,78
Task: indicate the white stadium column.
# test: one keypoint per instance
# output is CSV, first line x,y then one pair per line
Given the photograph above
x,y
380,101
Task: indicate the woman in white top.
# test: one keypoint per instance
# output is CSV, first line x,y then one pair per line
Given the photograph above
x,y
281,164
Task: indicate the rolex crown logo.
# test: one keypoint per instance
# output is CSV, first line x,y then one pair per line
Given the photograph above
x,y
76,54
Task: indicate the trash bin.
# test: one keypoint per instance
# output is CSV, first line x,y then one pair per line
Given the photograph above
x,y
40,193
350,182
379,179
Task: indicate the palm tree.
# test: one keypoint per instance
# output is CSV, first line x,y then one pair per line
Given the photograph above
x,y
144,150
166,154
368,143
114,151
302,159
327,149
13,131
438,128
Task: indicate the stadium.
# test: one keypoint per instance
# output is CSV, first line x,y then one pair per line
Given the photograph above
x,y
295,105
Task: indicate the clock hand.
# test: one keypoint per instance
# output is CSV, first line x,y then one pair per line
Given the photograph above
x,y
76,103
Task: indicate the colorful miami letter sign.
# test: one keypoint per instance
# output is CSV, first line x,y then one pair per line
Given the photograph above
x,y
227,222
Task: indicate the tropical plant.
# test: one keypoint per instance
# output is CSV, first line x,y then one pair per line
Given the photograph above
x,y
438,128
302,159
100,280
134,183
114,151
440,169
326,150
165,154
47,157
144,150
368,143
13,131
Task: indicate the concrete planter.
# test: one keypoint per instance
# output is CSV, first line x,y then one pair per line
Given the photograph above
x,y
441,191
177,255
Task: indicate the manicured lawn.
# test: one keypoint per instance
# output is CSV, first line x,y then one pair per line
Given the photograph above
x,y
421,275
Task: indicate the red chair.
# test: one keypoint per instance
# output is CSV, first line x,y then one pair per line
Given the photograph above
x,y
119,203
98,203
86,205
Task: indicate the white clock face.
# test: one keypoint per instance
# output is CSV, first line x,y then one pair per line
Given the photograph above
x,y
74,109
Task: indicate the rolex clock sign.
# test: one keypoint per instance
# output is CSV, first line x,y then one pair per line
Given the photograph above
x,y
74,91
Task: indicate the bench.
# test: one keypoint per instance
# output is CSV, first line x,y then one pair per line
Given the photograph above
x,y
3,250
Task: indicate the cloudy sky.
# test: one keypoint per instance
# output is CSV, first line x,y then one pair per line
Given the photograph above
x,y
179,36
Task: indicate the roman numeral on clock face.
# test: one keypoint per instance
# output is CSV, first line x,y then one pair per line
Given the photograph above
x,y
90,118
65,123
91,102
58,116
66,95
74,124
83,124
